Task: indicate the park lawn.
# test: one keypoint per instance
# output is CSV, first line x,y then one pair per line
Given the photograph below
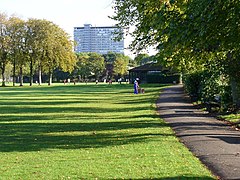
x,y
89,132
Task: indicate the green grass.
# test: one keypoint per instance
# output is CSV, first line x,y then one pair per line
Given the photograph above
x,y
233,119
89,132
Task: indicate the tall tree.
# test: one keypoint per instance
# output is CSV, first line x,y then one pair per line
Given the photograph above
x,y
34,49
96,64
4,45
59,51
16,31
189,34
109,59
50,47
82,67
120,65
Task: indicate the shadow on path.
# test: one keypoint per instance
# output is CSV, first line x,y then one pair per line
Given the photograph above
x,y
216,144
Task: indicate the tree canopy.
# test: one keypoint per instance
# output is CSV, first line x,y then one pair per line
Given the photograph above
x,y
39,44
192,35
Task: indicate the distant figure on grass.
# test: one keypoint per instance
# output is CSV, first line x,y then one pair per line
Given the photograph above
x,y
136,86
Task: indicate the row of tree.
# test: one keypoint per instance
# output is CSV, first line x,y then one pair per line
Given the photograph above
x,y
195,36
107,66
36,48
33,45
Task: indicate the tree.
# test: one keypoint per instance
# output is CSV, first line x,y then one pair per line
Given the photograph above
x,y
218,34
4,45
16,31
82,67
58,50
33,48
189,34
89,64
50,47
109,59
95,64
120,65
141,59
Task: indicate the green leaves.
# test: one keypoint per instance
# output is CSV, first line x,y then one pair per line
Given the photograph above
x,y
90,63
40,43
120,65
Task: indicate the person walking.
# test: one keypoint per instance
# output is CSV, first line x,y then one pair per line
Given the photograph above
x,y
135,87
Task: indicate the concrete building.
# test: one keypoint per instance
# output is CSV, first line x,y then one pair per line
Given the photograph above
x,y
97,39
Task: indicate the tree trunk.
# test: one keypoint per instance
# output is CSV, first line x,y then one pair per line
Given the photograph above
x,y
21,76
14,72
50,77
31,72
3,77
39,74
3,68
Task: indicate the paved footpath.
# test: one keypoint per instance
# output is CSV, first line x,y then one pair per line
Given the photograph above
x,y
215,143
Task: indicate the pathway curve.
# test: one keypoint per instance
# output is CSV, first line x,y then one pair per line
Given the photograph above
x,y
215,143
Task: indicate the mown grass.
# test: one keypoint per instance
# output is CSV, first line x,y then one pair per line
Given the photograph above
x,y
89,132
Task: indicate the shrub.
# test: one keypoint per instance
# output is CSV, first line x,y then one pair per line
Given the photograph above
x,y
162,78
192,84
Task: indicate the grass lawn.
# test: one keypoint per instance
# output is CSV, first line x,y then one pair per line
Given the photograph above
x,y
89,132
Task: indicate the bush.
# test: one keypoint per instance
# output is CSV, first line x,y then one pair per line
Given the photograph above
x,y
226,98
207,86
192,84
162,78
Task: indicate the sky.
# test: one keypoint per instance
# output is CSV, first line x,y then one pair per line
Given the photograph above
x,y
65,13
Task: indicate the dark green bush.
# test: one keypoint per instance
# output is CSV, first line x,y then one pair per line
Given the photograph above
x,y
206,86
162,78
192,84
209,86
226,98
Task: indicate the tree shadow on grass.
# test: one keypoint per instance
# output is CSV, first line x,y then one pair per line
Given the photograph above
x,y
35,136
73,110
38,136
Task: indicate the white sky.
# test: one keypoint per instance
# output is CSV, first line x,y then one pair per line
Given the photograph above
x,y
65,13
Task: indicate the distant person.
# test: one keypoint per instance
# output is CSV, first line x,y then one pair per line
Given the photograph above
x,y
120,81
138,80
135,87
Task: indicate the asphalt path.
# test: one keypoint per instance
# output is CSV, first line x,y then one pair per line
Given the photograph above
x,y
214,142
